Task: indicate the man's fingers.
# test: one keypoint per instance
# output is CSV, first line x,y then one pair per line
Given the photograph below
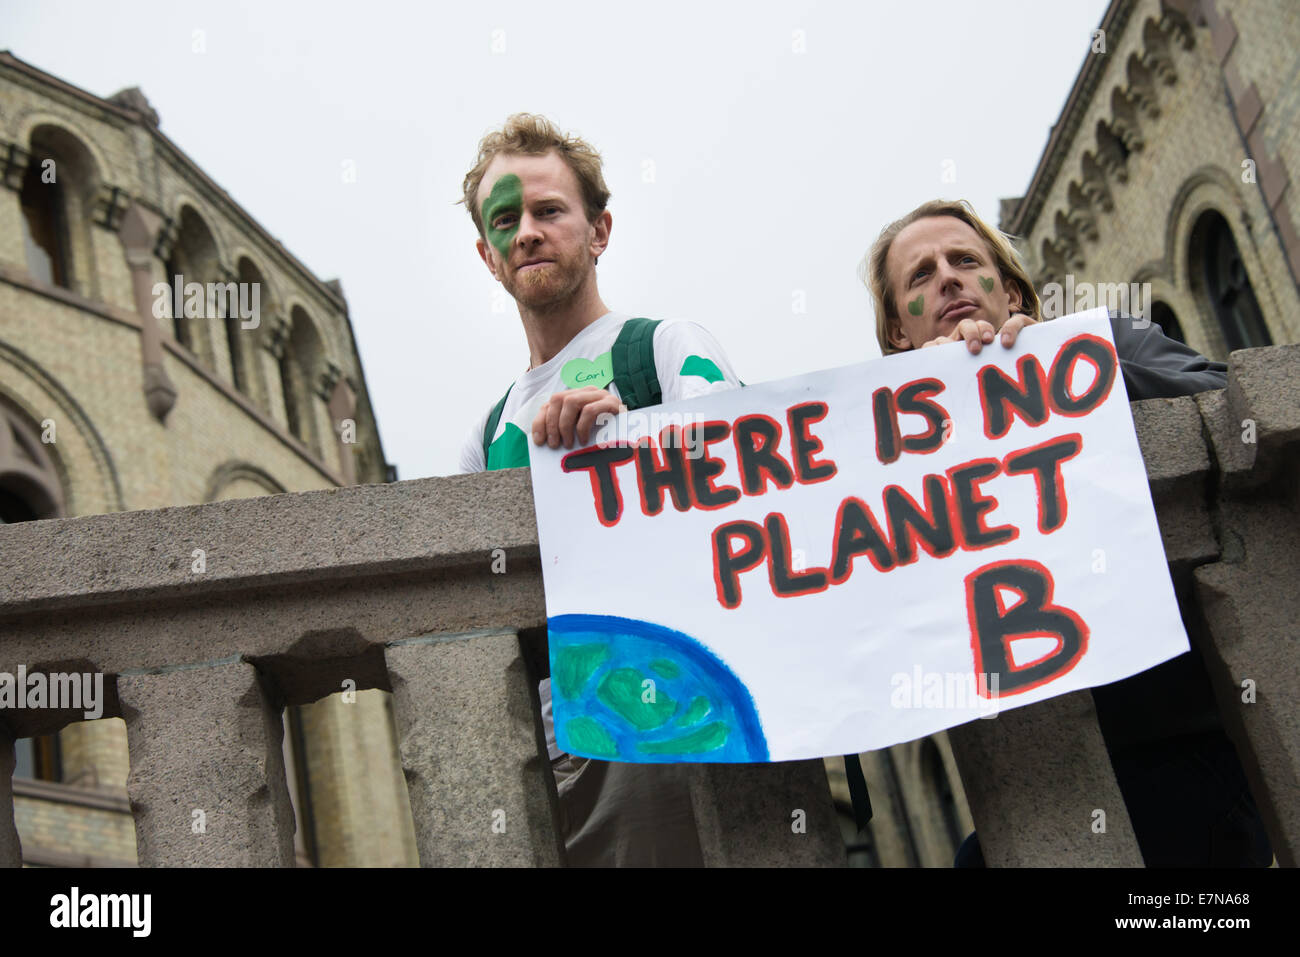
x,y
571,408
554,409
1011,328
573,404
539,424
976,332
591,414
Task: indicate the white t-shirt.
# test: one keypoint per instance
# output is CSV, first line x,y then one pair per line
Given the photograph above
x,y
688,360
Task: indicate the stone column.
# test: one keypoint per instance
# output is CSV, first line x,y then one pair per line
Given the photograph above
x,y
469,736
1035,778
207,783
11,849
766,815
342,410
13,167
273,341
139,227
1249,598
112,272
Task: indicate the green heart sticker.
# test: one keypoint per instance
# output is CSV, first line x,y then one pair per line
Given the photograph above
x,y
916,306
580,373
987,283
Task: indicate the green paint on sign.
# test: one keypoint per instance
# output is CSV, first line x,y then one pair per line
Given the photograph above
x,y
574,666
706,369
987,283
510,450
623,693
708,738
579,373
665,668
696,712
588,736
505,200
916,306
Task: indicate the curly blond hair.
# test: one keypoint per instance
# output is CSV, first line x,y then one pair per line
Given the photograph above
x,y
529,134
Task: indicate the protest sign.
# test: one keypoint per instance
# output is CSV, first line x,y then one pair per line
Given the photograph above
x,y
841,561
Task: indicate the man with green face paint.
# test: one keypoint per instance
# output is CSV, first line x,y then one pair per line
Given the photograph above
x,y
538,200
1183,786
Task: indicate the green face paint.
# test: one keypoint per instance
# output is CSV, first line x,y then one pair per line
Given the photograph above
x,y
507,197
916,306
986,282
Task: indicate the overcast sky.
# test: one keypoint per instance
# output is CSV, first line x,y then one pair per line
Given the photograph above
x,y
754,150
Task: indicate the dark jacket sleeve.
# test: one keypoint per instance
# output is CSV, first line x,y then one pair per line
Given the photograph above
x,y
1157,367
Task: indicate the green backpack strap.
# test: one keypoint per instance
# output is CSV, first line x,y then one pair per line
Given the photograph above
x,y
493,420
633,361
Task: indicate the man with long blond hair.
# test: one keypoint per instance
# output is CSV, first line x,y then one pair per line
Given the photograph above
x,y
538,201
942,275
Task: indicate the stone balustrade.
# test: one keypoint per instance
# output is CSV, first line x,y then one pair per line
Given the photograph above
x,y
207,620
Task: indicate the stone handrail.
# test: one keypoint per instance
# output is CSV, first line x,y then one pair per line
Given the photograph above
x,y
206,620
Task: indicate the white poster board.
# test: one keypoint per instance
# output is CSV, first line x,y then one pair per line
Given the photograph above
x,y
842,561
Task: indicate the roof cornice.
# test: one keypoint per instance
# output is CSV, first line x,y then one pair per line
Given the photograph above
x,y
1066,126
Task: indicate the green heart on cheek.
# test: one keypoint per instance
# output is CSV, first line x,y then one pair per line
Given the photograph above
x,y
987,283
580,373
916,306
507,196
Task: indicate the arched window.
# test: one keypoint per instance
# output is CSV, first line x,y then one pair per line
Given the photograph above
x,y
38,758
45,229
1164,317
300,366
29,490
176,279
239,339
291,384
29,483
1216,263
193,260
58,203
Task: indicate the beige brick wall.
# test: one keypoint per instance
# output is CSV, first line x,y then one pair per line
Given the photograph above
x,y
93,753
74,829
1190,161
125,155
1268,55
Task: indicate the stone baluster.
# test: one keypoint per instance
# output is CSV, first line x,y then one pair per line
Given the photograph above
x,y
207,784
471,746
766,815
1034,777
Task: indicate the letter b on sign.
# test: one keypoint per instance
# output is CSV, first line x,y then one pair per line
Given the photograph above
x,y
997,622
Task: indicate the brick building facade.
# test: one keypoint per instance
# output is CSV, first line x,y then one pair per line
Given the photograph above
x,y
111,399
1169,167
